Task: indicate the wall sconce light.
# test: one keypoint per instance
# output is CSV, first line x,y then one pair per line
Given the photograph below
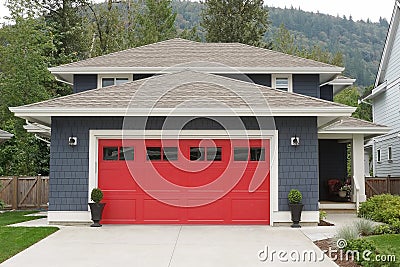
x,y
72,141
295,141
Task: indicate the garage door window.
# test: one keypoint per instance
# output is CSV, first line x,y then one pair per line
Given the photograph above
x,y
214,153
170,153
153,153
126,153
110,153
241,154
197,153
257,154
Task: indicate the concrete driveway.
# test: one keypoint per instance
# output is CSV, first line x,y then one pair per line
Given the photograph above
x,y
170,246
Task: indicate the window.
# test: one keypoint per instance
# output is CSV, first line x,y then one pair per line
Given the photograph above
x,y
107,80
282,82
197,153
153,153
390,157
110,153
214,153
126,153
170,153
118,153
257,154
378,155
240,154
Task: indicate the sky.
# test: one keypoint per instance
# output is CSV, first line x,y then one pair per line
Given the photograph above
x,y
359,9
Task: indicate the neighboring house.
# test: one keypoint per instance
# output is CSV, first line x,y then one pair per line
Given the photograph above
x,y
385,98
5,136
186,132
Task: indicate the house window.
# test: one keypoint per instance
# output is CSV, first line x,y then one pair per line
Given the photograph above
x,y
214,153
378,155
153,153
197,153
240,154
170,153
257,154
282,82
105,81
390,158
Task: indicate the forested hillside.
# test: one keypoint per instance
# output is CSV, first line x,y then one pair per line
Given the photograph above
x,y
361,42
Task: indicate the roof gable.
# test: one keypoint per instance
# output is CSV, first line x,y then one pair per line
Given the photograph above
x,y
390,39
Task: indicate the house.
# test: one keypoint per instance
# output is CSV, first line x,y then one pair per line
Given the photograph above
x,y
182,132
385,97
5,136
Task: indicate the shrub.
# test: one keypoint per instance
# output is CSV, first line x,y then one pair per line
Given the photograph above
x,y
383,229
96,195
322,215
381,208
395,225
2,204
364,227
362,245
347,232
295,196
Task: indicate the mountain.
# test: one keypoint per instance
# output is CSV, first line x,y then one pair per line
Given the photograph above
x,y
361,42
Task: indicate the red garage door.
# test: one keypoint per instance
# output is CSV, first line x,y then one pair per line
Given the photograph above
x,y
185,181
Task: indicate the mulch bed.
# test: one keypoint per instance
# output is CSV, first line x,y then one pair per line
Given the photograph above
x,y
325,223
330,243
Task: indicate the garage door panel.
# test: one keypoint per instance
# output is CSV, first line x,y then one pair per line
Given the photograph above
x,y
214,211
250,210
121,211
153,210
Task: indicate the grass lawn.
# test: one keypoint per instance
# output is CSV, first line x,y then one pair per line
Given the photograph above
x,y
387,244
15,239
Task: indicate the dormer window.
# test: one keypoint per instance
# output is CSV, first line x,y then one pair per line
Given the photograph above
x,y
105,81
282,82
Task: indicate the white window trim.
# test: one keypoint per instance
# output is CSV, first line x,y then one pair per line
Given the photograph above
x,y
287,76
100,78
378,155
390,157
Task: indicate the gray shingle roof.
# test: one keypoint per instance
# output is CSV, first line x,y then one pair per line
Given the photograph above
x,y
187,89
179,51
351,123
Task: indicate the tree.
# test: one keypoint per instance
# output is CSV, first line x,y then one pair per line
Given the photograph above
x,y
243,21
25,49
283,41
155,22
350,96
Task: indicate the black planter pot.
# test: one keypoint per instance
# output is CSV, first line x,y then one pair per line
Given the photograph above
x,y
295,210
96,209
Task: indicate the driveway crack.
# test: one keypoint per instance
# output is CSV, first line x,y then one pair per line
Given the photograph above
x,y
176,242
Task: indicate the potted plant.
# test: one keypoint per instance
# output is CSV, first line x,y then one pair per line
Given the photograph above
x,y
296,207
96,208
344,190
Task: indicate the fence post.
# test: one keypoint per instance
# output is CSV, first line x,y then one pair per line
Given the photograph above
x,y
14,203
39,190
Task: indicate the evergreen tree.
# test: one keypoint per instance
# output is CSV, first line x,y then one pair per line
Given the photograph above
x,y
155,22
283,41
243,21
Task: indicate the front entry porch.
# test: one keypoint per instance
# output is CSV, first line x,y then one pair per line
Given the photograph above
x,y
341,162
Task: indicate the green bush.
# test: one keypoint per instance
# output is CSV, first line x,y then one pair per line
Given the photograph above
x,y
364,227
361,245
2,204
347,232
383,229
295,196
322,215
381,208
96,195
395,225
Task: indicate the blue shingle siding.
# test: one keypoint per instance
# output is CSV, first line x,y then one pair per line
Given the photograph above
x,y
84,82
298,166
326,92
69,166
306,84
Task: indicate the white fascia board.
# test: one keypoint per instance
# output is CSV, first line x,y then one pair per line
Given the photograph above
x,y
388,43
52,112
224,70
358,130
377,91
340,82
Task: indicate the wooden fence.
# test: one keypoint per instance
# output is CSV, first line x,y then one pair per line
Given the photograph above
x,y
382,185
25,192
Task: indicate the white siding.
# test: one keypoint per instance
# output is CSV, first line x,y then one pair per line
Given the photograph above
x,y
386,167
387,107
